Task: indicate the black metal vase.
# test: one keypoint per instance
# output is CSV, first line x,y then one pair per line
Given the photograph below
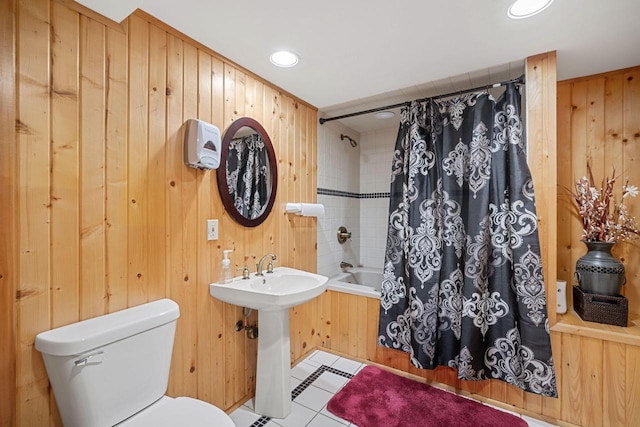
x,y
598,271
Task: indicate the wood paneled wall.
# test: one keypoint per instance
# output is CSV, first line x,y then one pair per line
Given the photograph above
x,y
99,213
597,372
599,123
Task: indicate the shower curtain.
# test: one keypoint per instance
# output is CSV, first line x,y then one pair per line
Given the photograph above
x,y
463,284
247,175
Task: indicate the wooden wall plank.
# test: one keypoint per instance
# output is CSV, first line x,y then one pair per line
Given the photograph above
x,y
594,126
8,214
572,401
157,91
532,402
217,93
227,226
614,386
499,391
551,406
288,172
249,105
65,184
186,288
231,361
373,309
208,320
515,396
217,357
325,304
116,170
355,304
272,121
542,150
138,202
591,381
33,184
632,389
173,208
92,168
565,202
613,152
235,238
579,158
312,183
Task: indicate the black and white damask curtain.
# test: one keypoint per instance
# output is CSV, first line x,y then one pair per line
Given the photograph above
x,y
248,175
463,284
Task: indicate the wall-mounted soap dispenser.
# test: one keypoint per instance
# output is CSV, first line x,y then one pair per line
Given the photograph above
x,y
201,145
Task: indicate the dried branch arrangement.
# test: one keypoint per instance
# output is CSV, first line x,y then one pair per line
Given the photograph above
x,y
605,219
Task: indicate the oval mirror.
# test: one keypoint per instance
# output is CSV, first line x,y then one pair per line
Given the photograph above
x,y
248,175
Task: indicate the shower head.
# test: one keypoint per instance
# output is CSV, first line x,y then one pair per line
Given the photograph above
x,y
351,140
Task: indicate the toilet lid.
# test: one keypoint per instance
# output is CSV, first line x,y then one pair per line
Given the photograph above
x,y
183,411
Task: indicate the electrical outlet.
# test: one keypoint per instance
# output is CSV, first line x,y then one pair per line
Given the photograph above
x,y
212,229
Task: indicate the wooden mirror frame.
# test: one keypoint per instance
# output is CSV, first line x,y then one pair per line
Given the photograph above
x,y
227,200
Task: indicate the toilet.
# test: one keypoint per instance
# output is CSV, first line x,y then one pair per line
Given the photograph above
x,y
114,369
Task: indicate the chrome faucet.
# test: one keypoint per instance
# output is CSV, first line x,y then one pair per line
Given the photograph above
x,y
259,264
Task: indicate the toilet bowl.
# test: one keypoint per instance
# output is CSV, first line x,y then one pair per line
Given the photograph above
x,y
114,369
182,411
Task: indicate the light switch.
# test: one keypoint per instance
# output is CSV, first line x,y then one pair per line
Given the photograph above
x,y
212,229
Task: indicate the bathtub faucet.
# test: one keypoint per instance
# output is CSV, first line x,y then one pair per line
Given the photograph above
x,y
344,265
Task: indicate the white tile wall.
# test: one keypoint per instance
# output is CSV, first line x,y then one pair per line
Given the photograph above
x,y
339,211
362,169
338,169
373,231
375,171
375,160
338,161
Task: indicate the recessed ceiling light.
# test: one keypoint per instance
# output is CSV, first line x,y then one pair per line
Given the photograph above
x,y
284,58
525,8
380,115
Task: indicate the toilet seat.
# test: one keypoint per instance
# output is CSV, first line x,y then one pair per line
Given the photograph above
x,y
182,411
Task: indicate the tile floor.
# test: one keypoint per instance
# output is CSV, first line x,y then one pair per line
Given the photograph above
x,y
314,381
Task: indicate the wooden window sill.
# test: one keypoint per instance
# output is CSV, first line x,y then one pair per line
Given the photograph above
x,y
571,323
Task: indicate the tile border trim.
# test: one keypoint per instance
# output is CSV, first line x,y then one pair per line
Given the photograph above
x,y
340,193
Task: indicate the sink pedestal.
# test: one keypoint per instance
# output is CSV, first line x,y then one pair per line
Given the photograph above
x,y
273,376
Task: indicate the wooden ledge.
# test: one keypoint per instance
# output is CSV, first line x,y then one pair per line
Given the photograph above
x,y
571,323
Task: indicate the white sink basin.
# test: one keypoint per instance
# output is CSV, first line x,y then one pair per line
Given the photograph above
x,y
284,288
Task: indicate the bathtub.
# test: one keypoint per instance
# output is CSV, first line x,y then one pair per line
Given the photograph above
x,y
364,281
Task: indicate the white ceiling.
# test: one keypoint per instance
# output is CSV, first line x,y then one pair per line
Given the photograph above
x,y
363,52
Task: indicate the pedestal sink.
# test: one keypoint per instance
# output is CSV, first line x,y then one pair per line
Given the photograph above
x,y
272,295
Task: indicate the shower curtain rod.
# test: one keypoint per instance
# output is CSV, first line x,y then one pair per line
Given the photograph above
x,y
519,80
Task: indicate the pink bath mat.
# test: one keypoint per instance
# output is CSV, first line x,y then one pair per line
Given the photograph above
x,y
378,398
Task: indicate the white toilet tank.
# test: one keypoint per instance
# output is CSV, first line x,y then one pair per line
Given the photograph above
x,y
104,370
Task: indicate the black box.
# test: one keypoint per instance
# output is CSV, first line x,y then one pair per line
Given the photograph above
x,y
612,310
